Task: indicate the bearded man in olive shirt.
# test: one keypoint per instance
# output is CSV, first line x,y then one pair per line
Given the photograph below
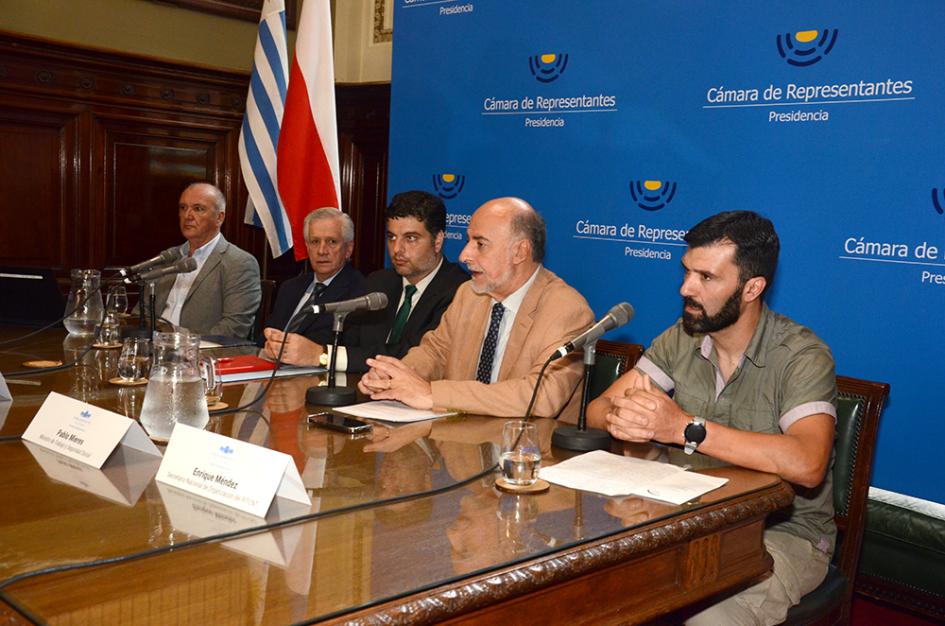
x,y
750,387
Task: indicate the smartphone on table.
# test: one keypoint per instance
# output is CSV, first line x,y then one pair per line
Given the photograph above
x,y
340,423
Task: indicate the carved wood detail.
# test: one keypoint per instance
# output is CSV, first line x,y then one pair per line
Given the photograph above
x,y
702,561
515,582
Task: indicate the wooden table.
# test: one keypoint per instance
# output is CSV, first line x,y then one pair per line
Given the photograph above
x,y
466,553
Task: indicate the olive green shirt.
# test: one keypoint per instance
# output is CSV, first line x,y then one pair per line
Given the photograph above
x,y
785,375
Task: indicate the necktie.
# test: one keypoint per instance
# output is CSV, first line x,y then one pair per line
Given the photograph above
x,y
484,373
303,314
402,314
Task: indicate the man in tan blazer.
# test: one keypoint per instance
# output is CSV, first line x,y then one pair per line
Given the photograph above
x,y
485,355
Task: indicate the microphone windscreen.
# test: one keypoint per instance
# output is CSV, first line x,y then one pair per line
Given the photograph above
x,y
171,255
187,265
376,300
622,313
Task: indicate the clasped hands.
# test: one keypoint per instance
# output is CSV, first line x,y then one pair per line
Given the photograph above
x,y
298,350
646,413
391,379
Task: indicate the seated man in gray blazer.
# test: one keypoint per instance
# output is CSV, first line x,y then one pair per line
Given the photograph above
x,y
222,295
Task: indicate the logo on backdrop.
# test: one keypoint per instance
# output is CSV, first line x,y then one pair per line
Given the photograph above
x,y
806,100
938,200
547,68
652,195
448,186
806,47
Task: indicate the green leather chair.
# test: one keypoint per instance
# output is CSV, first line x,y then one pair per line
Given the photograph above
x,y
613,359
859,404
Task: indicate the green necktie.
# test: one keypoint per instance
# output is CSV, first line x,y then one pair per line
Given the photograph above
x,y
402,314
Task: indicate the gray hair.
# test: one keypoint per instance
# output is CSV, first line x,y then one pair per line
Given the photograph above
x,y
331,213
219,201
530,225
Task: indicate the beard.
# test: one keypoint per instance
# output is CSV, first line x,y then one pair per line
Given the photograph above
x,y
705,323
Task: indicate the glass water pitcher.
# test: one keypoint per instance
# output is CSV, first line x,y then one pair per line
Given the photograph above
x,y
176,392
84,308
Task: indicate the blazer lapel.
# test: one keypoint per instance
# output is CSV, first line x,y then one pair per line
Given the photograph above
x,y
425,304
215,258
522,325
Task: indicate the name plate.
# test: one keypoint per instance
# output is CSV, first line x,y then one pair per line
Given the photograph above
x,y
229,471
86,433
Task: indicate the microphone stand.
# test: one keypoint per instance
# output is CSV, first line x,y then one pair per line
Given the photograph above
x,y
147,293
152,303
332,395
581,437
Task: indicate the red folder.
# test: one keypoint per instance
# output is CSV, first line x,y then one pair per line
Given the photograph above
x,y
244,363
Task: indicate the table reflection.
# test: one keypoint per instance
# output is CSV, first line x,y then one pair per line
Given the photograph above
x,y
376,530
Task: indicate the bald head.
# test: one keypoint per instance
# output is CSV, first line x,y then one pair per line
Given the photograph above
x,y
506,245
201,210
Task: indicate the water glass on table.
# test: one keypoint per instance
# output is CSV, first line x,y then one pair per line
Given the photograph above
x,y
133,362
109,333
521,455
116,301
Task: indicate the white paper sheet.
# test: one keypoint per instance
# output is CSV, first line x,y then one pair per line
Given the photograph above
x,y
390,411
615,475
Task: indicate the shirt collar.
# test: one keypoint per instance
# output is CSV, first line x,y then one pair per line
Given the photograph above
x,y
203,251
515,299
328,280
754,352
425,281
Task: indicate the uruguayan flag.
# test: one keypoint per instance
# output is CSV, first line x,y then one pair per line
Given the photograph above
x,y
259,136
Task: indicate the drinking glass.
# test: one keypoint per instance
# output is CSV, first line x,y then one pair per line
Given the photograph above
x,y
133,362
521,455
116,301
109,334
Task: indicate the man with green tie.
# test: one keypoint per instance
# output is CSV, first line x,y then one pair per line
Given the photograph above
x,y
419,285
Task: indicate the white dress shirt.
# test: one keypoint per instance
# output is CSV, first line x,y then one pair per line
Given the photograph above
x,y
511,304
178,294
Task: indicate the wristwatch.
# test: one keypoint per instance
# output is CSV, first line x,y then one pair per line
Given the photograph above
x,y
694,434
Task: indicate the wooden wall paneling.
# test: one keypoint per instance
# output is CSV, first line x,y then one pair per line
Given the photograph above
x,y
363,130
40,176
125,133
145,128
145,165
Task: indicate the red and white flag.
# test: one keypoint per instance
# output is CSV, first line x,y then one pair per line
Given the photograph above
x,y
308,171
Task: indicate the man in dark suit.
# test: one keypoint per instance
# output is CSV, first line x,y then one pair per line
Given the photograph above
x,y
416,229
329,239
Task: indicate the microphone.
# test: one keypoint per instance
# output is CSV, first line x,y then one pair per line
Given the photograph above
x,y
617,316
371,302
181,267
168,256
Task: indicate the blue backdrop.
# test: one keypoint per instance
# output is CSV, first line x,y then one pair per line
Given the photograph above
x,y
625,123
